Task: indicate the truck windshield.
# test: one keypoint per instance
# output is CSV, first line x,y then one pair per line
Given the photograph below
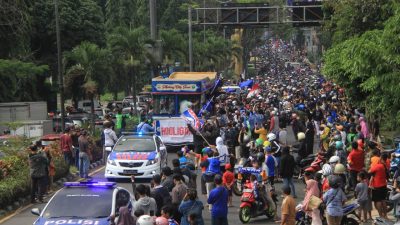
x,y
164,104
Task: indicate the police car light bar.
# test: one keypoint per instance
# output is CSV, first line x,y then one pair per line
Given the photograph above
x,y
89,184
138,133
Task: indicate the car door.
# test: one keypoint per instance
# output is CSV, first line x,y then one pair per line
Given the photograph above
x,y
122,198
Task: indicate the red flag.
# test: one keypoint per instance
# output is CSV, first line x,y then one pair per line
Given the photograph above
x,y
255,90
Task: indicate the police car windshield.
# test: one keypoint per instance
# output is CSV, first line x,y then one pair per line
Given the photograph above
x,y
135,144
80,202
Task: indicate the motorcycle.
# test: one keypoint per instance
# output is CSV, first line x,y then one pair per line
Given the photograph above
x,y
316,165
349,211
251,207
382,221
242,174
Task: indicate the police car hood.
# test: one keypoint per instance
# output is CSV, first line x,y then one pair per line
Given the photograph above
x,y
70,221
133,155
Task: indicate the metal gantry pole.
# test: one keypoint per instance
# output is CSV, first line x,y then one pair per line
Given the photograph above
x,y
153,19
59,66
190,39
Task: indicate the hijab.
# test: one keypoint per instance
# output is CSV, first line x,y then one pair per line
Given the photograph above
x,y
222,149
125,217
312,190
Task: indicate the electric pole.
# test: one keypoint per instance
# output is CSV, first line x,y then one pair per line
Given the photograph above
x,y
190,39
59,66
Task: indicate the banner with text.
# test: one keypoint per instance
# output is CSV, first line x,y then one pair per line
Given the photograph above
x,y
174,131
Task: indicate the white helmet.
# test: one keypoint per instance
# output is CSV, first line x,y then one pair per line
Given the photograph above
x,y
301,136
271,136
326,170
334,159
145,220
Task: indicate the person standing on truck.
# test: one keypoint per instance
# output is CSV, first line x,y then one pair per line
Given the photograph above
x,y
121,121
145,127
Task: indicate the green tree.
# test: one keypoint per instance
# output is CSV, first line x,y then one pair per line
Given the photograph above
x,y
346,19
368,67
18,80
126,13
129,46
80,20
15,27
89,63
174,45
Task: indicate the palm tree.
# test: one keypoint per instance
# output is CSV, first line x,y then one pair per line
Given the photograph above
x,y
89,63
174,45
129,45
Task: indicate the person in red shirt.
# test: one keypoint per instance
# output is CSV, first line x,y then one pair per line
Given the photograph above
x,y
228,180
66,146
356,163
378,184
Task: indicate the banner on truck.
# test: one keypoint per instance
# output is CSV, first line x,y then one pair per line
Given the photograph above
x,y
174,131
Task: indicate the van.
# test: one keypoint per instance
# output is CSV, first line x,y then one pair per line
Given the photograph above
x,y
86,104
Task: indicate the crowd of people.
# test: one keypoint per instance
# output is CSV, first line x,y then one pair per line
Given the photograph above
x,y
252,127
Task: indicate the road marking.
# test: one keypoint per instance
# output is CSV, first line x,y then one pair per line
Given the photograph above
x,y
18,211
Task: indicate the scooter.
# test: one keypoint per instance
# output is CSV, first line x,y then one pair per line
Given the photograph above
x,y
316,165
348,210
242,174
250,207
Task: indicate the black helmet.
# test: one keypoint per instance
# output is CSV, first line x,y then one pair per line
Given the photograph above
x,y
260,157
334,181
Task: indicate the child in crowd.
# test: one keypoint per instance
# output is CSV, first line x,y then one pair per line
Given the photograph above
x,y
228,180
361,193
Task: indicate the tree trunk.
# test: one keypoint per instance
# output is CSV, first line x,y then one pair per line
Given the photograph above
x,y
92,114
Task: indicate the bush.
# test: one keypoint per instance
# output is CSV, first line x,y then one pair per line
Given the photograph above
x,y
14,169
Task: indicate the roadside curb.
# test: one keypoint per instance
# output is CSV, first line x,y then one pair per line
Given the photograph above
x,y
24,203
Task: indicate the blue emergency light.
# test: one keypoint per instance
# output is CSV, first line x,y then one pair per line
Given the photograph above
x,y
90,184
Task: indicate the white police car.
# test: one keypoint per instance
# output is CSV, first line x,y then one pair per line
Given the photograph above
x,y
83,203
141,155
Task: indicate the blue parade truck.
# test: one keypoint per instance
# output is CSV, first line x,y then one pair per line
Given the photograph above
x,y
175,94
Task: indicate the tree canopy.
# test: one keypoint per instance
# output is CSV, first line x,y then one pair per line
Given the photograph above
x,y
367,65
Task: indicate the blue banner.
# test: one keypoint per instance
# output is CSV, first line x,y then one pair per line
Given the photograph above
x,y
246,84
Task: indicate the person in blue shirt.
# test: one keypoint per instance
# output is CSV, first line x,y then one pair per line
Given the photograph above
x,y
182,159
190,206
334,199
212,165
219,199
145,127
272,163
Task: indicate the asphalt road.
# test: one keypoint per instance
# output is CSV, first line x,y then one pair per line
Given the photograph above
x,y
24,217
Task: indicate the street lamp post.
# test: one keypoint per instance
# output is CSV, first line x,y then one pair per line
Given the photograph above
x,y
59,66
